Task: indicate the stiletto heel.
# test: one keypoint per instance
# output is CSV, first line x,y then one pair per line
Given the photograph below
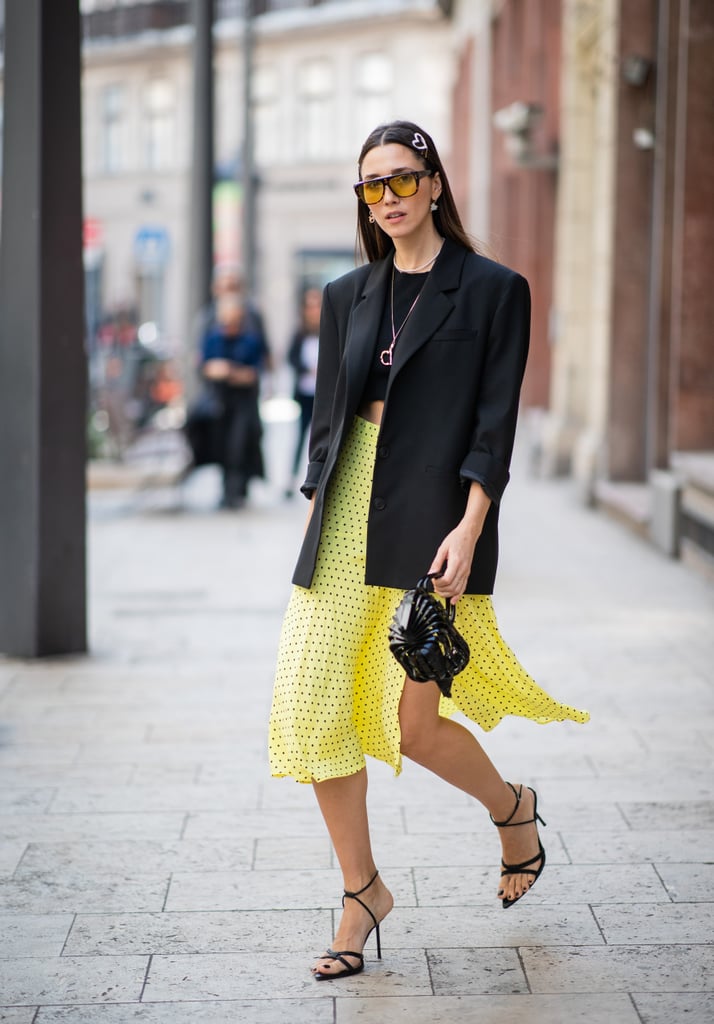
x,y
340,954
524,868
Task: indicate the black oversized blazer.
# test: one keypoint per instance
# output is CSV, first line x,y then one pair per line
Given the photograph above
x,y
449,414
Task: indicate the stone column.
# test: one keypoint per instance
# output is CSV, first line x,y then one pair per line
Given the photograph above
x,y
200,259
42,357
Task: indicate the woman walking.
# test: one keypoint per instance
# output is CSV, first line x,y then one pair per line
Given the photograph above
x,y
422,353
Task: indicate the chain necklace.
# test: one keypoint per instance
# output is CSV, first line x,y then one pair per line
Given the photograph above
x,y
385,356
415,270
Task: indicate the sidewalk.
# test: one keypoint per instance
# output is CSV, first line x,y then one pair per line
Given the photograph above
x,y
151,871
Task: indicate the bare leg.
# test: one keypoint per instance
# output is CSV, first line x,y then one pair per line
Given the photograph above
x,y
455,755
343,803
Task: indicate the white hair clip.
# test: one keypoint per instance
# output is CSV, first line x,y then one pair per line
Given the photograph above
x,y
418,142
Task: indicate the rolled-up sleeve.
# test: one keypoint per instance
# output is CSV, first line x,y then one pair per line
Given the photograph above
x,y
489,457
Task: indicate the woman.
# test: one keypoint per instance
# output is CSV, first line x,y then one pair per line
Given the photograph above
x,y
302,357
233,355
422,352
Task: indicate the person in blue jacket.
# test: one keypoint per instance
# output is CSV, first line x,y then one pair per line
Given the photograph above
x,y
233,354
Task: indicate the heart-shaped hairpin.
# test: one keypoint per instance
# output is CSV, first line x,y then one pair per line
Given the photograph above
x,y
418,142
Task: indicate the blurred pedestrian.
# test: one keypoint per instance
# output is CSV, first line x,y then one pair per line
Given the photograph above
x,y
233,355
302,357
422,353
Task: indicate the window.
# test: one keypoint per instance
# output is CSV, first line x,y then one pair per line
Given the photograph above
x,y
373,88
160,125
315,110
266,95
113,130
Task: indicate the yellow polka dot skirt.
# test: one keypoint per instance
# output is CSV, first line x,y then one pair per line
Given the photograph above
x,y
337,684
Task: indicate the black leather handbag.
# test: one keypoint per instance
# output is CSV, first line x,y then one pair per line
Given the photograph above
x,y
424,639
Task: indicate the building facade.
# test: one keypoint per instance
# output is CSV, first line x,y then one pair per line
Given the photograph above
x,y
600,192
324,76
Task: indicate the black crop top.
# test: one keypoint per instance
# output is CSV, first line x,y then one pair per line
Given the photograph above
x,y
406,289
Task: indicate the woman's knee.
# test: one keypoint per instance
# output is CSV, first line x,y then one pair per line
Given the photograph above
x,y
417,737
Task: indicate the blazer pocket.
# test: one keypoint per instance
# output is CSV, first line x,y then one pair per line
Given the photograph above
x,y
456,334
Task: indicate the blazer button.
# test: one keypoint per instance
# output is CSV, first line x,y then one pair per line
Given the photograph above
x,y
383,451
379,504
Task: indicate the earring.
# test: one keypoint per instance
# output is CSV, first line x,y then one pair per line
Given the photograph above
x,y
371,217
434,207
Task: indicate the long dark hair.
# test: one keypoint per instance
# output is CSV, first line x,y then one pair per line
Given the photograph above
x,y
372,242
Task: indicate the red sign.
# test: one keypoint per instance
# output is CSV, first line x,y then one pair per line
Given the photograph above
x,y
92,233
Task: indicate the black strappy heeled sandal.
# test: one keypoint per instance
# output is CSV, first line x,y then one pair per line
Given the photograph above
x,y
340,954
524,868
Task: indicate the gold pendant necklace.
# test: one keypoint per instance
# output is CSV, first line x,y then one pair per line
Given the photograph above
x,y
385,356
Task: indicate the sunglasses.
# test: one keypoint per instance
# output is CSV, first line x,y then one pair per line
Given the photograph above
x,y
403,185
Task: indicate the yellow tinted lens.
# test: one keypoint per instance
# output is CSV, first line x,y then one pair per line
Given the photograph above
x,y
372,191
403,185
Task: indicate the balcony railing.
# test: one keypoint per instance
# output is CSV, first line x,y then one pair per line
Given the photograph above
x,y
122,20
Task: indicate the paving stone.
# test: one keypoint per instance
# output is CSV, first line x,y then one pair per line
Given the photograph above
x,y
178,774
265,890
472,926
664,968
647,764
34,934
464,850
666,1008
24,800
689,883
475,971
578,816
37,732
672,789
690,814
49,980
263,823
657,925
233,976
490,1009
128,799
46,894
54,775
200,932
560,884
38,753
17,1014
669,847
72,827
240,1011
94,752
135,857
299,821
10,856
293,852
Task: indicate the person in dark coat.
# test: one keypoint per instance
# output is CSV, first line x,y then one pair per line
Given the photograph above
x,y
302,357
232,357
422,354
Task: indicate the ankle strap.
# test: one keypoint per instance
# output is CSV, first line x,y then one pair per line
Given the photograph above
x,y
503,824
354,895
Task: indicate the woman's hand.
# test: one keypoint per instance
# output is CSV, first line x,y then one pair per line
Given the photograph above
x,y
456,552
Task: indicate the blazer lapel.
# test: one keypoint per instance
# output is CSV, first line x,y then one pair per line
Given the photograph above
x,y
433,307
364,325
